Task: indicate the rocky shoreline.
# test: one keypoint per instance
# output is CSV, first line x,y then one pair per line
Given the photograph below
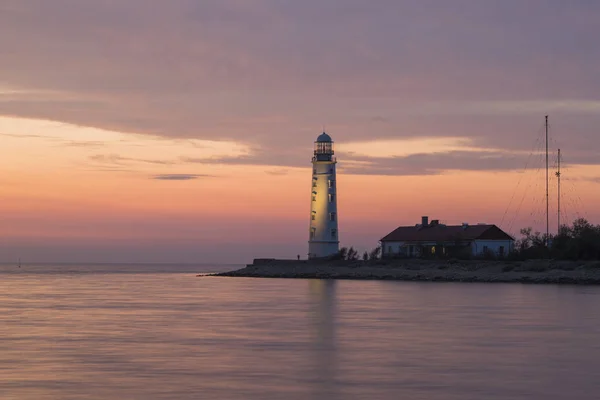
x,y
530,271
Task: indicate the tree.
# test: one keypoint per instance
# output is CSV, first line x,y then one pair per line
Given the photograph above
x,y
580,241
374,254
343,253
352,254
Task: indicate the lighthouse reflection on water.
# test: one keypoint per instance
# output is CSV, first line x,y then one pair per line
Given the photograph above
x,y
322,297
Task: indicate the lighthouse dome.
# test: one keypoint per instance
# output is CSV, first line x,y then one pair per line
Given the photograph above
x,y
324,138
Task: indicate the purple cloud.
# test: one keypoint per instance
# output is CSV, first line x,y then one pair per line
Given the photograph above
x,y
270,73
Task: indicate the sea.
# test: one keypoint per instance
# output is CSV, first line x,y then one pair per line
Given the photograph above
x,y
74,331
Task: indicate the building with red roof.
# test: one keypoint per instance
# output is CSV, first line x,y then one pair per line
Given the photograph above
x,y
438,239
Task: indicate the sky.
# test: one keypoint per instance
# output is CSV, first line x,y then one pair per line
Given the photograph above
x,y
182,130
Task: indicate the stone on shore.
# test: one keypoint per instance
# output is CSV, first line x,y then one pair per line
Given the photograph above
x,y
530,271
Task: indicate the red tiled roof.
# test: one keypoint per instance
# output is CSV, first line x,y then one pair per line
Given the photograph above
x,y
446,233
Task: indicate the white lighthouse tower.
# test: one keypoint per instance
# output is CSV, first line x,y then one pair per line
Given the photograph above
x,y
323,240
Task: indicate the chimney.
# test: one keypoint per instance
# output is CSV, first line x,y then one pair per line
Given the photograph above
x,y
424,221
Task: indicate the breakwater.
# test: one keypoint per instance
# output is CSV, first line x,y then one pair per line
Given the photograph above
x,y
530,271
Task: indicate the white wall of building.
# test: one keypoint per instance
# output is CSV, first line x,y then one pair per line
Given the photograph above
x,y
323,234
395,248
478,247
495,247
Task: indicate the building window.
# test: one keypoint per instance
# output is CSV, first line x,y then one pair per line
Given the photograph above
x,y
485,249
314,170
313,217
331,183
314,184
314,198
312,233
333,233
501,250
332,216
331,197
390,249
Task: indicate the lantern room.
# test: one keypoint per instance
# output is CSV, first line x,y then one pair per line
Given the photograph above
x,y
324,148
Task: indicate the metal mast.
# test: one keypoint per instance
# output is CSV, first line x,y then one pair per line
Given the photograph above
x,y
547,197
558,177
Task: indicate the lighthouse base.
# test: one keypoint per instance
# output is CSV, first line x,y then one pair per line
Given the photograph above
x,y
322,249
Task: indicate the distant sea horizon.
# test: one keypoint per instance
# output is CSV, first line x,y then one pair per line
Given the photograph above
x,y
115,267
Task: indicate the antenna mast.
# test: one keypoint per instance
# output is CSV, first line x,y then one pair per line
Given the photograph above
x,y
558,177
547,197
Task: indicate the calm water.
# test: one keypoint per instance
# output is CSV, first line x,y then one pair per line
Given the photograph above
x,y
159,332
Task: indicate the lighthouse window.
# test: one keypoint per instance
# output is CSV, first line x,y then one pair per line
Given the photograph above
x,y
331,197
313,217
333,233
331,183
332,216
312,233
314,198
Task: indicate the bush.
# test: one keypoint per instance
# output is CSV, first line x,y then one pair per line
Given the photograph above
x,y
374,254
345,253
341,254
352,254
580,241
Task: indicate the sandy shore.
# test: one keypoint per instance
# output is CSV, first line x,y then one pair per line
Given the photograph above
x,y
532,271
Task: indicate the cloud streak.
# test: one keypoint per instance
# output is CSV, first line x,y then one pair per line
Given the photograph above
x,y
180,177
250,83
119,160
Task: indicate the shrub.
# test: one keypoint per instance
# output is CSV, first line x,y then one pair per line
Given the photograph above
x,y
352,254
580,241
374,254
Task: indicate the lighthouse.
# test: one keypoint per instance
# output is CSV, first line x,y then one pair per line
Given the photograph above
x,y
323,235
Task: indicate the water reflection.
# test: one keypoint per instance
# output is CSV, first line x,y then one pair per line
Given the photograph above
x,y
172,336
322,296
